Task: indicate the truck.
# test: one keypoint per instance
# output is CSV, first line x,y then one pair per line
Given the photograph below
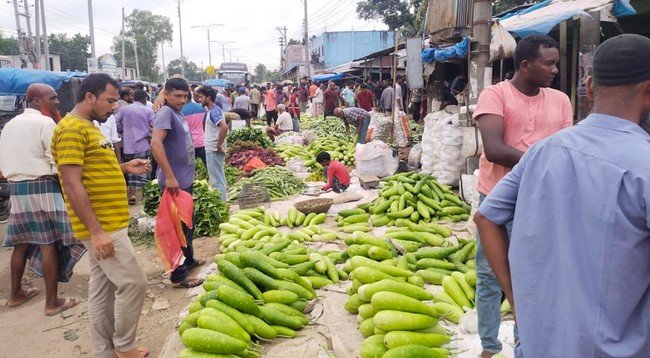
x,y
235,72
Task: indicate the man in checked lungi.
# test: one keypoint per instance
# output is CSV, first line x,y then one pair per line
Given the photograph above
x,y
39,227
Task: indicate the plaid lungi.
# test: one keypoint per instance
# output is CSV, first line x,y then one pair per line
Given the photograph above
x,y
38,216
137,180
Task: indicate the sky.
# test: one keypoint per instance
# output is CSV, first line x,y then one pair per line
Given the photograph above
x,y
249,24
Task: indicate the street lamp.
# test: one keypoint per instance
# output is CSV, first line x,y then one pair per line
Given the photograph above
x,y
207,30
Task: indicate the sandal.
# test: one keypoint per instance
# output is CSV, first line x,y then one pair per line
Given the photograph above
x,y
67,304
29,293
197,263
188,282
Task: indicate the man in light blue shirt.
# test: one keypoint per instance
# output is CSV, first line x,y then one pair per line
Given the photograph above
x,y
577,266
347,95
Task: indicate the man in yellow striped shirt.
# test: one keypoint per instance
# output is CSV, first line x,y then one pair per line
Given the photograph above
x,y
95,192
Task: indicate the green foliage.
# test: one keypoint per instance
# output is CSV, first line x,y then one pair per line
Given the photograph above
x,y
232,175
499,6
209,210
192,71
9,45
249,134
405,15
260,72
201,172
149,30
138,236
73,50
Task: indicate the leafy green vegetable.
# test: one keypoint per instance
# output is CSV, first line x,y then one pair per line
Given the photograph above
x,y
280,182
201,171
249,134
209,210
232,175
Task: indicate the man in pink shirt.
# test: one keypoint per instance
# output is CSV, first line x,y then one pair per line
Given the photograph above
x,y
337,174
512,116
270,106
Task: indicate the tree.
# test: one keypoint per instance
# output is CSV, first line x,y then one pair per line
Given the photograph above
x,y
499,6
192,71
9,45
73,51
405,15
260,73
149,31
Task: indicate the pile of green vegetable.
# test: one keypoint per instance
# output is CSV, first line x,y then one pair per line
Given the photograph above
x,y
256,135
209,210
339,149
280,182
329,127
417,198
232,175
262,288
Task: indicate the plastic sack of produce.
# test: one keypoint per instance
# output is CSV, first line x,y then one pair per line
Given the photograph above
x,y
289,138
254,163
375,158
297,165
451,161
309,136
415,156
168,233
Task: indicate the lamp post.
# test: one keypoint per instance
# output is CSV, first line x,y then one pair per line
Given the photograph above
x,y
207,30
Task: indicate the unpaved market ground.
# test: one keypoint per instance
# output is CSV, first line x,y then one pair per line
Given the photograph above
x,y
27,332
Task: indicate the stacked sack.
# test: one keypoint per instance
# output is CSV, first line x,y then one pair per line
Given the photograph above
x,y
442,141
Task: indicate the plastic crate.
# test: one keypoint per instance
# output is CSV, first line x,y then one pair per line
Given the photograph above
x,y
253,195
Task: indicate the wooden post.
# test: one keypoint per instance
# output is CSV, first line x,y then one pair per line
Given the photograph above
x,y
394,114
563,54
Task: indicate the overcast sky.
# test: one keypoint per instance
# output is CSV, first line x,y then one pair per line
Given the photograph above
x,y
250,24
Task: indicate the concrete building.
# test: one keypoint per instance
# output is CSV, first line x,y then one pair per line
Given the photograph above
x,y
335,48
55,62
108,64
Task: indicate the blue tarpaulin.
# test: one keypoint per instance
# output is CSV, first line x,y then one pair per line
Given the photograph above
x,y
328,77
541,18
15,81
442,54
216,82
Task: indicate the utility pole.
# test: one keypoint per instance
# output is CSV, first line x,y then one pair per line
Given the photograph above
x,y
230,52
123,74
92,29
46,45
223,48
137,64
27,18
283,42
180,33
480,68
19,30
207,29
307,51
162,50
37,28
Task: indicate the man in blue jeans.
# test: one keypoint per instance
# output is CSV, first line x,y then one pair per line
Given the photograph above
x,y
173,149
216,130
513,115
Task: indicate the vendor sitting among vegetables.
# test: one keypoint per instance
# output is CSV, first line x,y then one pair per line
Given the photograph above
x,y
337,174
283,124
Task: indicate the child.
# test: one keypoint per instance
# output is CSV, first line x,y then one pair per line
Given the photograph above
x,y
337,175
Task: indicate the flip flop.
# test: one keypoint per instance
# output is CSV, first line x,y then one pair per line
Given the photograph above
x,y
197,263
31,292
67,304
188,282
144,351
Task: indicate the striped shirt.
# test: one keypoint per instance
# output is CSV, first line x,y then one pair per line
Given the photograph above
x,y
76,141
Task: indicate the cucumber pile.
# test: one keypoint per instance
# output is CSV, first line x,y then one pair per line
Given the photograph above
x,y
289,151
418,198
339,149
264,283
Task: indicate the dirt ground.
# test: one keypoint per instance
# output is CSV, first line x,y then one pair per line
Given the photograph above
x,y
27,332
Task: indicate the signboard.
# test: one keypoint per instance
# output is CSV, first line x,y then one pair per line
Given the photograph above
x,y
233,66
210,70
414,67
92,65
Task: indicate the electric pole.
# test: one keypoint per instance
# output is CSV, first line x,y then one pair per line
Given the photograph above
x,y
480,68
162,50
137,64
19,30
37,28
307,51
223,48
207,29
46,45
27,18
180,33
123,74
283,41
92,29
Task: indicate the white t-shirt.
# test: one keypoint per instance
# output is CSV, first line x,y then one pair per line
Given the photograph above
x,y
109,129
285,122
318,96
25,146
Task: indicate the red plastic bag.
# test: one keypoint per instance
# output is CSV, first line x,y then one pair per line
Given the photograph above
x,y
254,163
172,212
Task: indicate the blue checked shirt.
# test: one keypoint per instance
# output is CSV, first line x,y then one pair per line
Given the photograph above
x,y
580,247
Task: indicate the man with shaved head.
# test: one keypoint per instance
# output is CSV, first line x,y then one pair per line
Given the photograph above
x,y
39,227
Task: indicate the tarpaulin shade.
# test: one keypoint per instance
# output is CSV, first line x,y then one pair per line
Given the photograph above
x,y
442,54
15,81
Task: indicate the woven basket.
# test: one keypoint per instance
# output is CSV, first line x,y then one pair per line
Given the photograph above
x,y
317,206
253,195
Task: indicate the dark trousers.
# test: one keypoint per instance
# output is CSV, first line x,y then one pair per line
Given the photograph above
x,y
416,111
271,117
329,113
182,271
200,153
337,186
255,109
